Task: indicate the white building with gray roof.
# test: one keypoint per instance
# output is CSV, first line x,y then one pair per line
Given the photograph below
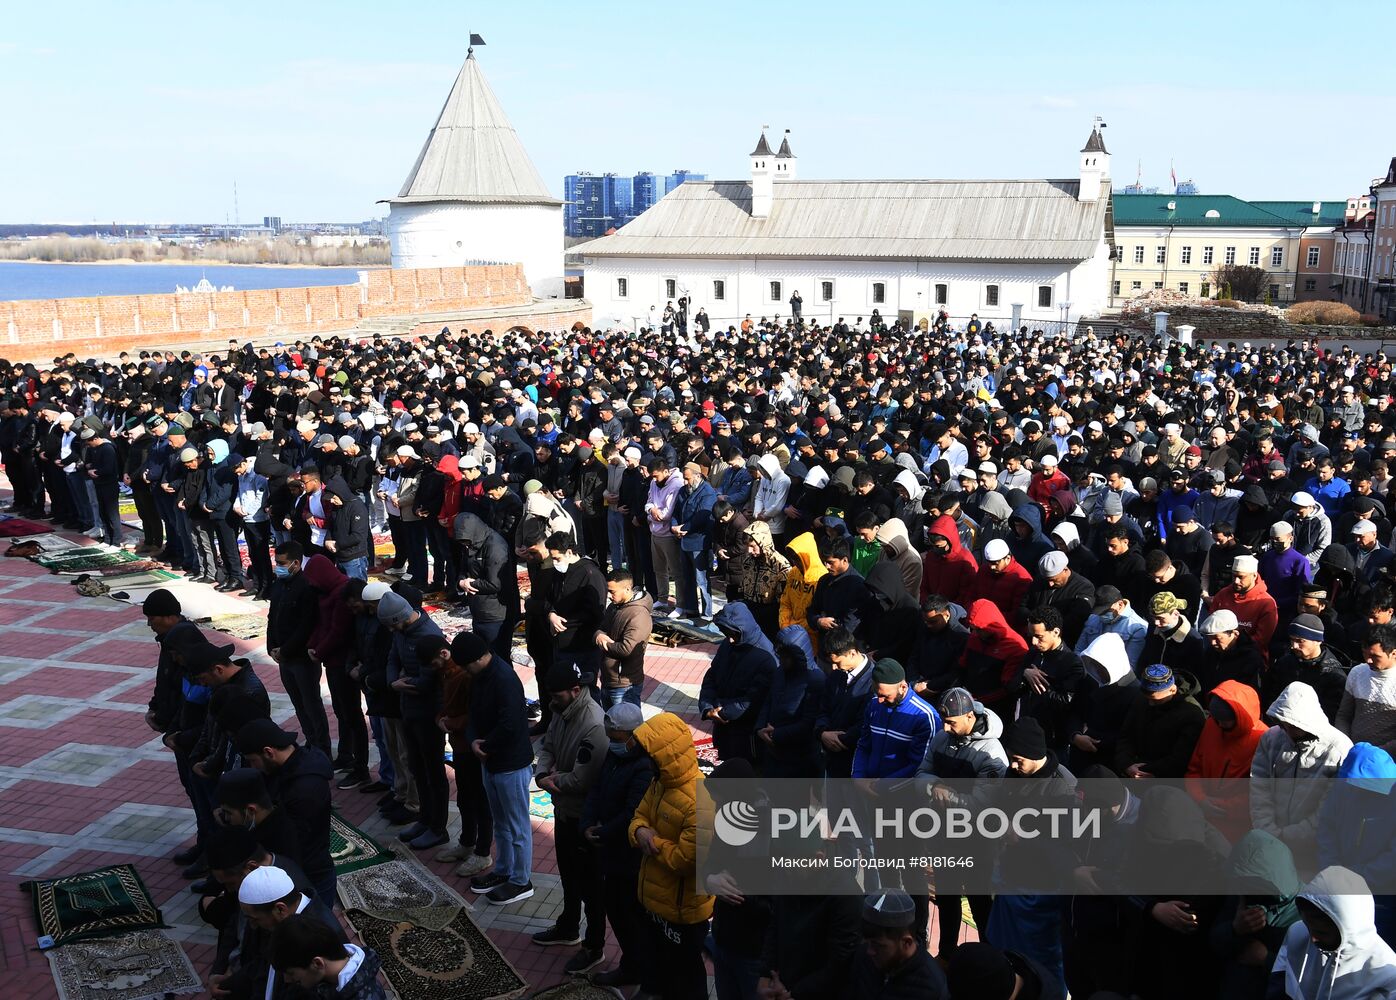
x,y
474,195
1038,249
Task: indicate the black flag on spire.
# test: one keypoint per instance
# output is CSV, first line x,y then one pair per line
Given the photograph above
x,y
476,39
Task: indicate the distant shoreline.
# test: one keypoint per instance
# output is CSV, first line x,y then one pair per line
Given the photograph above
x,y
200,262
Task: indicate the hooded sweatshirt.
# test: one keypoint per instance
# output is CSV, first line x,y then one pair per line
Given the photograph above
x,y
737,681
1289,779
978,755
771,494
804,575
1221,762
1356,819
484,558
761,579
950,575
1105,700
1029,550
334,625
1006,590
897,548
791,709
993,656
1363,967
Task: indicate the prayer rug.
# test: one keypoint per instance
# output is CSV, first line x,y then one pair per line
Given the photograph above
x,y
83,560
456,962
136,966
18,527
575,989
540,805
401,890
707,753
351,848
245,627
93,904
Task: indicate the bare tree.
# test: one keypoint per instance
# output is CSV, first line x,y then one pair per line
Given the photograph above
x,y
1241,281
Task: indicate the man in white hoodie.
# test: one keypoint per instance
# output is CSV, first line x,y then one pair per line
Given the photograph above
x,y
771,493
1290,771
1332,952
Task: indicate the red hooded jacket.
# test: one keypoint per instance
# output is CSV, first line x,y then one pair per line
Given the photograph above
x,y
1220,767
1006,590
449,466
334,626
950,575
993,655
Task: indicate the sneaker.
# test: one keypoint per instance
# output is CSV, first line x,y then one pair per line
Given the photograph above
x,y
660,606
584,961
456,852
394,571
427,840
474,865
415,830
555,936
352,780
373,787
678,613
401,816
488,882
508,892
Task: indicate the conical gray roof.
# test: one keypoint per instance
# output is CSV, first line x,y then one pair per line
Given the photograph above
x,y
784,151
473,153
1095,144
763,148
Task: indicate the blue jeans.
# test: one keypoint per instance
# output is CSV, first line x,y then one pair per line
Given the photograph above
x,y
615,537
694,592
355,569
385,762
507,793
77,486
610,697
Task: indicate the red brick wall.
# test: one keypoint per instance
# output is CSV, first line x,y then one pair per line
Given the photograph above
x,y
108,325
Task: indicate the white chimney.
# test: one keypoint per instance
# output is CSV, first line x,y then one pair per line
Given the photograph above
x,y
1095,167
762,178
1318,207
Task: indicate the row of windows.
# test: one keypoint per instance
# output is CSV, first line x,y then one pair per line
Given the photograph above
x,y
776,291
1205,291
1277,255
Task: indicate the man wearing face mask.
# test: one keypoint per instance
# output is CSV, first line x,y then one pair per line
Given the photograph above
x,y
292,617
576,602
569,761
624,778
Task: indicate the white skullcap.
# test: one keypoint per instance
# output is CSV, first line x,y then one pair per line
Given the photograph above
x,y
1219,622
263,885
1048,461
988,469
633,453
1364,527
374,591
1302,499
1052,563
471,428
407,451
469,462
1172,428
1245,564
995,550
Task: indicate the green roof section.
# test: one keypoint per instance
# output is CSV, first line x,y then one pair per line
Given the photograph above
x,y
1221,211
1330,213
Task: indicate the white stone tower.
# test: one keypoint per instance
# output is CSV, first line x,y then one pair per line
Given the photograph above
x,y
474,195
762,178
1095,166
786,161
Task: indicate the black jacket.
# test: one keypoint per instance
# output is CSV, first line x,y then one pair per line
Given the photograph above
x,y
812,942
919,978
1074,601
1161,738
498,714
578,596
292,616
611,804
301,789
844,706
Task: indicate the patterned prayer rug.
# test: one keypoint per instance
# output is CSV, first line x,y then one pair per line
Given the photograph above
x,y
351,848
401,890
540,805
246,627
456,962
575,989
136,966
93,904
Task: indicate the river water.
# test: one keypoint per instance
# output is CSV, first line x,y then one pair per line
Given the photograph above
x,y
19,280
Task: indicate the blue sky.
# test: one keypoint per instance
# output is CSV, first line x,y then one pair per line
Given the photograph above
x,y
150,111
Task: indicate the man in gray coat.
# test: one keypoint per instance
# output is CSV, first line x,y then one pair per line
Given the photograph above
x,y
569,762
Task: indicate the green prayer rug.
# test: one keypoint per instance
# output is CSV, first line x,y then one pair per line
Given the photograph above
x,y
575,989
351,848
455,962
93,904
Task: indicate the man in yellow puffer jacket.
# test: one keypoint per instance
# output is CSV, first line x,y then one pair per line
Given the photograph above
x,y
665,829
